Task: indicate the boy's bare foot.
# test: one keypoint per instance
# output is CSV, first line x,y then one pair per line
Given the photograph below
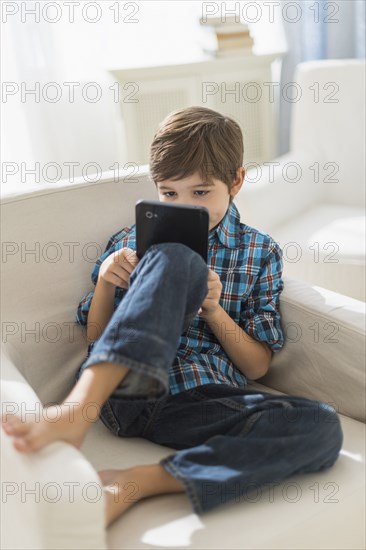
x,y
71,420
123,488
121,491
58,422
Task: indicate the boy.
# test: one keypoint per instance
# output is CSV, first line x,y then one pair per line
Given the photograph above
x,y
173,343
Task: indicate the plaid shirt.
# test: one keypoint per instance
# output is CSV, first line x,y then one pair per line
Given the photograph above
x,y
249,264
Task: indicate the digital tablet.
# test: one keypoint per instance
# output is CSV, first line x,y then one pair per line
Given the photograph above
x,y
158,222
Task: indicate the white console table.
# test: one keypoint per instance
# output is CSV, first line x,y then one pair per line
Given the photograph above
x,y
241,87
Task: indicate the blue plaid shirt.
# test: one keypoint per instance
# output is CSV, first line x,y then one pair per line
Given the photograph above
x,y
249,264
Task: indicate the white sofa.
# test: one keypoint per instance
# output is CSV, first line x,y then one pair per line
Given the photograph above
x,y
51,238
312,200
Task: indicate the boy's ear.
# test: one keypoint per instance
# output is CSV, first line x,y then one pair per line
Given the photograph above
x,y
238,182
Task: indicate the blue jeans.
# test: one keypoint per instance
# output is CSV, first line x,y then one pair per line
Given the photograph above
x,y
230,441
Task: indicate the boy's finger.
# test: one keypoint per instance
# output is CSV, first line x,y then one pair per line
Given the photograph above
x,y
126,266
129,256
132,257
212,284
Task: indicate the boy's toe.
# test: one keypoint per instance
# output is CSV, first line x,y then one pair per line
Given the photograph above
x,y
12,420
21,444
7,421
16,428
28,442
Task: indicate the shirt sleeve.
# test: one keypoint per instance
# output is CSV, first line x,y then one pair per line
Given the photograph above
x,y
114,244
260,316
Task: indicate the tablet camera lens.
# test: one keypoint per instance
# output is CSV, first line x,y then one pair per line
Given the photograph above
x,y
149,215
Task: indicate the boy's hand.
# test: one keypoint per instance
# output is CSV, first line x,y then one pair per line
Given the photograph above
x,y
118,266
211,302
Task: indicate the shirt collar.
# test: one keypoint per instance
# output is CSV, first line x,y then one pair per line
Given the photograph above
x,y
227,231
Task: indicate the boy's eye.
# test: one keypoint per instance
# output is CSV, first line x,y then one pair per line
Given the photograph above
x,y
199,193
202,193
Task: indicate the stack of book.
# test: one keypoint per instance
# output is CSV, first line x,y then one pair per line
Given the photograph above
x,y
227,36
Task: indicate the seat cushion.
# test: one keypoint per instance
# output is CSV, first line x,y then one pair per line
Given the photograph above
x,y
313,504
325,246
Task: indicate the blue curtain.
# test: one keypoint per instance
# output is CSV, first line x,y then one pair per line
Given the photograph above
x,y
324,30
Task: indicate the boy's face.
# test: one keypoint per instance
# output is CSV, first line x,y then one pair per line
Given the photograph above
x,y
193,191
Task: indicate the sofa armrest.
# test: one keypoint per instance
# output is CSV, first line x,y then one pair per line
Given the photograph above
x,y
55,491
324,353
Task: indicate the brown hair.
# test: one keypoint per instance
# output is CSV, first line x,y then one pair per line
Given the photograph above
x,y
196,139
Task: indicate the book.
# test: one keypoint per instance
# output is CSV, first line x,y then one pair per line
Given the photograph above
x,y
230,29
226,35
226,44
224,22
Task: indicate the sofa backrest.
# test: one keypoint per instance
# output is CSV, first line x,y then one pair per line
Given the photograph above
x,y
56,234
328,123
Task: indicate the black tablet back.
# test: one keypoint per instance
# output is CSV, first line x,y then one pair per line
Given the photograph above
x,y
158,222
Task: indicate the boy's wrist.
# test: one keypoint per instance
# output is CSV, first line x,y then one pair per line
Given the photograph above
x,y
104,283
213,316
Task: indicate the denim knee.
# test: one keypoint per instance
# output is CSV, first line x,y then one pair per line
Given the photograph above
x,y
330,429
